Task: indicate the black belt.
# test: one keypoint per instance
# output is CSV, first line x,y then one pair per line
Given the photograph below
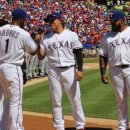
x,y
65,67
123,66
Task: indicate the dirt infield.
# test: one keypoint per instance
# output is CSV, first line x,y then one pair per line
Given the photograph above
x,y
38,121
90,66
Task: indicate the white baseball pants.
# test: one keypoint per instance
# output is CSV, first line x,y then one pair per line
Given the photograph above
x,y
60,78
120,78
1,102
11,81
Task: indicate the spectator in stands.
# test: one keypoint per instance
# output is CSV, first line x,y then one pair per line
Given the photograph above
x,y
83,17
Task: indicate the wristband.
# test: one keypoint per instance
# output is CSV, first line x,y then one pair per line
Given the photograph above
x,y
102,71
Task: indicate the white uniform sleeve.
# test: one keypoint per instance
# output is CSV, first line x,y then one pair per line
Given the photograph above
x,y
29,44
75,41
103,47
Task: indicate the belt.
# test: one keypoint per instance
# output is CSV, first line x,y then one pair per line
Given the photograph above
x,y
123,66
65,67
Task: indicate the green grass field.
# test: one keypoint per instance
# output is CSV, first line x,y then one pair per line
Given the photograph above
x,y
98,100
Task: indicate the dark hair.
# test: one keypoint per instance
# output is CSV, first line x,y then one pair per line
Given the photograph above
x,y
63,23
33,35
3,22
40,30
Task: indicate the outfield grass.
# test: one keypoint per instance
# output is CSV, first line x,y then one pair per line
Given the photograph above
x,y
98,99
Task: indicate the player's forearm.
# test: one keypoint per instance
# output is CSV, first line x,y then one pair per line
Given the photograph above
x,y
34,52
79,59
40,54
102,64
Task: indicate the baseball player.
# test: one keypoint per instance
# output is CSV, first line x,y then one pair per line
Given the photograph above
x,y
115,50
13,42
60,47
2,23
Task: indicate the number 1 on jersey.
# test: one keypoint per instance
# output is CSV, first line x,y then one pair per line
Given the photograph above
x,y
7,45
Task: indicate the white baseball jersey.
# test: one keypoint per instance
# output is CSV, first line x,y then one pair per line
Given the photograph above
x,y
13,42
116,46
59,48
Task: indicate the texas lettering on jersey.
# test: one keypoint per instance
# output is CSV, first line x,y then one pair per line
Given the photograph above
x,y
60,44
121,41
116,46
59,48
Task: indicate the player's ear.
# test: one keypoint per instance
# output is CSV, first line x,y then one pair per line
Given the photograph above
x,y
61,23
122,21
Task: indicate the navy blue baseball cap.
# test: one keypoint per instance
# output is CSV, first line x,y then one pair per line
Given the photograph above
x,y
53,16
117,14
56,15
18,13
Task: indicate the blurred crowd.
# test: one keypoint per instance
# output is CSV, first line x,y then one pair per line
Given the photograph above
x,y
88,19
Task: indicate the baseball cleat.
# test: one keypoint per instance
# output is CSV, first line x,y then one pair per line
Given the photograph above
x,y
122,128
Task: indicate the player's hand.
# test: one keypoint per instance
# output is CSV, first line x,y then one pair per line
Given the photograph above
x,y
79,75
38,38
105,79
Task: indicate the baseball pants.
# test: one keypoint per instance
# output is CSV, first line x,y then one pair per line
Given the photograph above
x,y
11,81
120,78
1,102
60,79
